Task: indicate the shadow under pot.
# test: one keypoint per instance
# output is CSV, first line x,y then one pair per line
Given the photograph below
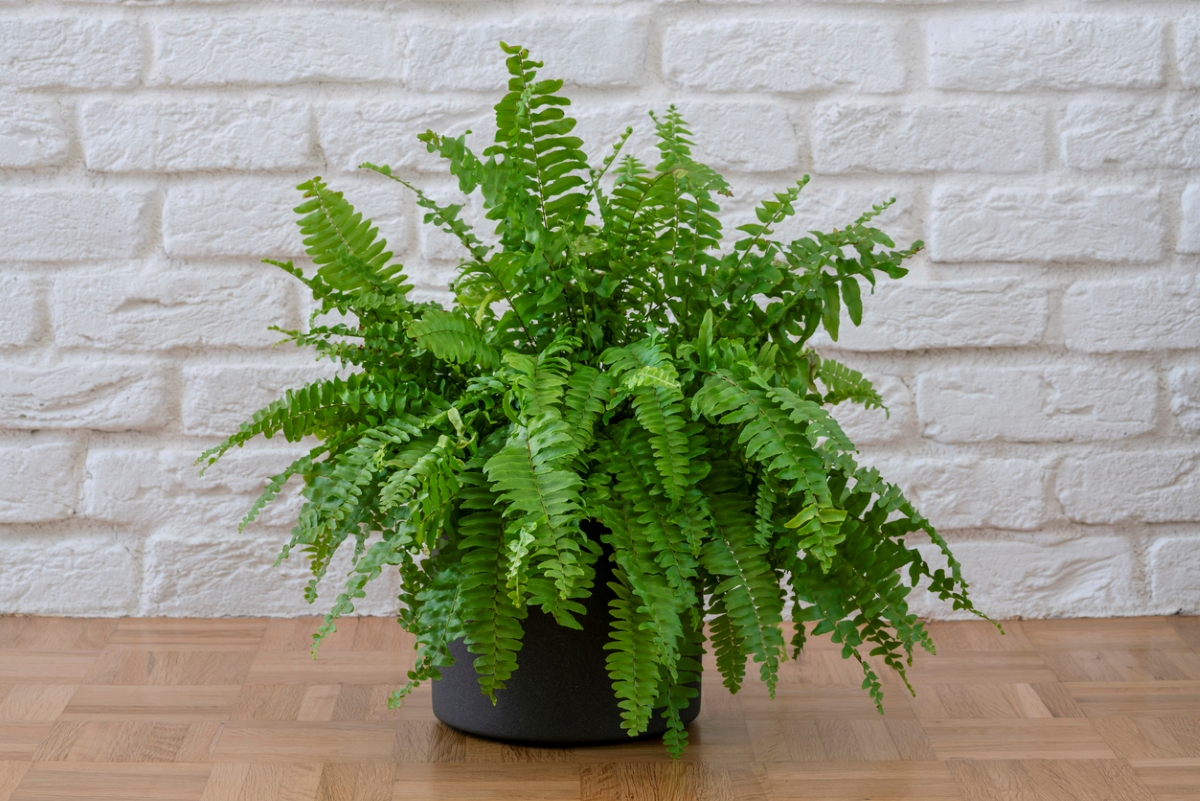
x,y
560,693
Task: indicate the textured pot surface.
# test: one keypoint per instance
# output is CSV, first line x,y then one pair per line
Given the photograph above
x,y
560,693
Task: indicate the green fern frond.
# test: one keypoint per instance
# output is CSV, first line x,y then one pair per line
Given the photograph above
x,y
349,254
844,384
632,663
453,336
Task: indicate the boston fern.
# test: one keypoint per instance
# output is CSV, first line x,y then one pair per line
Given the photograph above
x,y
609,383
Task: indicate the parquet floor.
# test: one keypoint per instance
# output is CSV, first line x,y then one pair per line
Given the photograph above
x,y
235,710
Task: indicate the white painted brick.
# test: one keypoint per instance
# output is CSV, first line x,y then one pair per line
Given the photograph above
x,y
967,137
877,426
1014,52
952,314
1039,580
217,398
1058,403
823,206
983,222
133,486
99,394
971,491
747,137
160,310
32,133
787,56
386,132
93,575
1189,233
184,135
1151,313
1142,486
231,575
1174,568
255,217
64,225
38,482
1187,50
70,53
275,49
19,300
1131,134
1185,397
468,56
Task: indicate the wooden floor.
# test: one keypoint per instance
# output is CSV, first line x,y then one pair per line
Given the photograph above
x,y
235,710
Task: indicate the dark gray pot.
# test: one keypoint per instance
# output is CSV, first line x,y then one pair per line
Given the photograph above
x,y
559,695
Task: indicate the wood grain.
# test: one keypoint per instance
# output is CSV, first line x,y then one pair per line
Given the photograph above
x,y
237,710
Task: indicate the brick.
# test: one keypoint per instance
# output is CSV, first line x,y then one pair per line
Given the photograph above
x,y
1150,313
255,217
98,394
135,486
992,137
38,482
1189,233
1187,50
1015,52
275,49
877,426
32,134
1142,486
217,398
440,251
1136,135
386,132
747,137
161,310
983,222
825,205
64,225
1035,404
972,491
87,574
951,314
1184,383
186,135
69,53
20,300
1174,564
788,56
466,55
1084,577
233,575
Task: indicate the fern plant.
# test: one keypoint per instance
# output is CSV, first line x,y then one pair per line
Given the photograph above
x,y
605,360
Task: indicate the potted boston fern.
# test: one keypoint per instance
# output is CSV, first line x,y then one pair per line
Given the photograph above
x,y
616,433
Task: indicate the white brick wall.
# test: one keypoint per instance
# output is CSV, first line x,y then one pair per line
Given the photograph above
x,y
1041,365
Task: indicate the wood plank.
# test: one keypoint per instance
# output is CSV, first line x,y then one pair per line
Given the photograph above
x,y
1053,738
1075,634
64,634
673,781
295,742
263,782
53,781
34,702
18,741
170,668
119,702
448,781
359,667
173,634
894,781
1134,699
364,781
45,667
11,774
1168,779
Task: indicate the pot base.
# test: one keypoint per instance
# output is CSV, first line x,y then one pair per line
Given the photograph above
x,y
560,693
